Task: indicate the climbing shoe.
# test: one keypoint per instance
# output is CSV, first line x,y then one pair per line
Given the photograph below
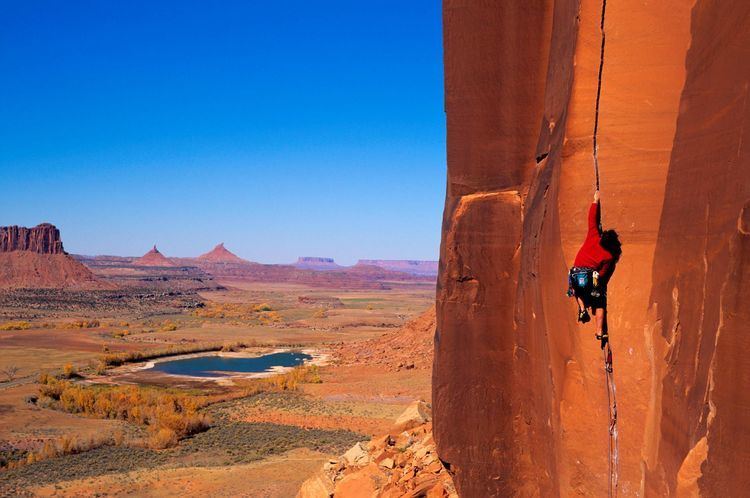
x,y
604,337
583,316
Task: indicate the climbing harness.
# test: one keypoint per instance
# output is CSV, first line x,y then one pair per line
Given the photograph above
x,y
604,337
584,283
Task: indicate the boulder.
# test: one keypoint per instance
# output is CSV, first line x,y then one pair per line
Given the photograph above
x,y
387,467
357,455
365,483
317,486
416,414
381,442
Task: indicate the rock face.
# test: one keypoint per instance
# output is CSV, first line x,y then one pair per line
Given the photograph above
x,y
42,239
414,267
518,392
153,258
221,254
33,258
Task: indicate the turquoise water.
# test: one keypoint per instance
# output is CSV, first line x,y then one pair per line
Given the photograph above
x,y
218,366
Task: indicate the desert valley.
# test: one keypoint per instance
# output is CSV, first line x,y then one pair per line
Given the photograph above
x,y
280,370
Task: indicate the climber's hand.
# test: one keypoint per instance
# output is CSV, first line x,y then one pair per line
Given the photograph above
x,y
596,196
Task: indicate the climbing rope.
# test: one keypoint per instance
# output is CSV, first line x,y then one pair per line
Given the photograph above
x,y
607,350
612,404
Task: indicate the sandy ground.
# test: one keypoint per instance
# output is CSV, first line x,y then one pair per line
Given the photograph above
x,y
278,476
27,426
360,398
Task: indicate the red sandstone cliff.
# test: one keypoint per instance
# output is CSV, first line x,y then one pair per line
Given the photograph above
x,y
43,239
519,401
34,258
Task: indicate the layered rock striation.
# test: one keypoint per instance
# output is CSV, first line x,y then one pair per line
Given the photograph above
x,y
518,391
42,239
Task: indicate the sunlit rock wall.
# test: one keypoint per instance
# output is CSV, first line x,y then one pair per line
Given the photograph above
x,y
520,403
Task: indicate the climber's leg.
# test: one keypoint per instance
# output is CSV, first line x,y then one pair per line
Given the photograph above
x,y
583,315
601,325
600,317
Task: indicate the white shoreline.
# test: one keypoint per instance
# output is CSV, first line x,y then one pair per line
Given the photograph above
x,y
318,359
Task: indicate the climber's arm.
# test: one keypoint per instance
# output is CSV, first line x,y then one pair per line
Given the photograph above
x,y
594,217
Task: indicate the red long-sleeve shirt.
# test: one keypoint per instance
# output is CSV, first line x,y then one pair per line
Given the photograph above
x,y
592,254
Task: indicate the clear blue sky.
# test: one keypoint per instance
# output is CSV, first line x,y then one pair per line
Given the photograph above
x,y
283,128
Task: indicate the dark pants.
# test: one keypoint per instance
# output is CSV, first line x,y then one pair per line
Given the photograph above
x,y
593,298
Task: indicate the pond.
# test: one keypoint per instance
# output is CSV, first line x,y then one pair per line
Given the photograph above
x,y
221,366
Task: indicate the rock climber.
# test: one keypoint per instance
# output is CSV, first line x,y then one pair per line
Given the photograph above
x,y
592,269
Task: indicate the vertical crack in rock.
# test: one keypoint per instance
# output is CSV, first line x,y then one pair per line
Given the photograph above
x,y
599,92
